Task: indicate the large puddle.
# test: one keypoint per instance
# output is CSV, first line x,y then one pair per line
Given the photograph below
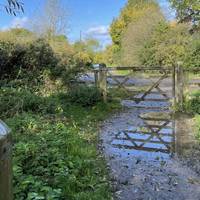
x,y
145,130
142,147
150,135
148,129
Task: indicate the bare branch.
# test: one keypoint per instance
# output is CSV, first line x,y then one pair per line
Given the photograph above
x,y
13,7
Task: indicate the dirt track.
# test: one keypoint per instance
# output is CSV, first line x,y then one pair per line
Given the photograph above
x,y
140,174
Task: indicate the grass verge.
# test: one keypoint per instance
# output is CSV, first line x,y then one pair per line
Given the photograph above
x,y
198,126
55,154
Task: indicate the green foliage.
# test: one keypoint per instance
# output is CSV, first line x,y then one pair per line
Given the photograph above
x,y
17,101
192,103
198,126
85,95
32,58
13,101
192,59
54,152
17,36
136,35
188,11
132,12
86,50
167,46
39,55
32,62
51,162
142,36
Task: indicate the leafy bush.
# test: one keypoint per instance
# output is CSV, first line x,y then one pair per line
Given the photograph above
x,y
198,126
193,103
29,63
25,60
55,159
11,56
14,101
54,154
84,95
192,59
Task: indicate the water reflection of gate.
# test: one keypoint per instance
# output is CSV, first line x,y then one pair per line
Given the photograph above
x,y
155,135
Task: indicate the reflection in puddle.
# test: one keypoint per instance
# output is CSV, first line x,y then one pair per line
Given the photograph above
x,y
148,129
154,137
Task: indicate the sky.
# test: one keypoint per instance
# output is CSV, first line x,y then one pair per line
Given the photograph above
x,y
88,17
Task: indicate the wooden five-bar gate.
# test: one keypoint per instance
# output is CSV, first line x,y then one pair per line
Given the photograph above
x,y
157,131
105,78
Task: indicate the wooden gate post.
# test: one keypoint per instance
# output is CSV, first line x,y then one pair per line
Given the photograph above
x,y
96,77
6,192
103,81
180,86
174,85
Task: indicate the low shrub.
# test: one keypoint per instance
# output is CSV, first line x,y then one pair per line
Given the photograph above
x,y
54,158
13,101
31,58
55,155
29,64
192,104
198,126
84,95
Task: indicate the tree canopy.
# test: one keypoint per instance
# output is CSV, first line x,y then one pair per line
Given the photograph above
x,y
133,11
136,35
188,11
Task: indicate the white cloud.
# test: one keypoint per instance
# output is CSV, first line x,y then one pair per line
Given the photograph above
x,y
17,22
98,31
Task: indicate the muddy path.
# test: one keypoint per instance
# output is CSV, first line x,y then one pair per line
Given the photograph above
x,y
140,153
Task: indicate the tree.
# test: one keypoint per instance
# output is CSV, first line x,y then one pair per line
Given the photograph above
x,y
13,7
168,45
188,11
17,36
54,19
132,12
87,50
136,35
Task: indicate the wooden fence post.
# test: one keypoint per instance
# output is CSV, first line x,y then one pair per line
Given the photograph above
x,y
174,85
103,81
180,86
6,192
96,78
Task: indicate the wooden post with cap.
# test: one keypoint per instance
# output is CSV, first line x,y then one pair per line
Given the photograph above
x,y
103,81
6,191
180,86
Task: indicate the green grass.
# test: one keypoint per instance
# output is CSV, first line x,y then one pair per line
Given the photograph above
x,y
55,154
198,126
192,102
